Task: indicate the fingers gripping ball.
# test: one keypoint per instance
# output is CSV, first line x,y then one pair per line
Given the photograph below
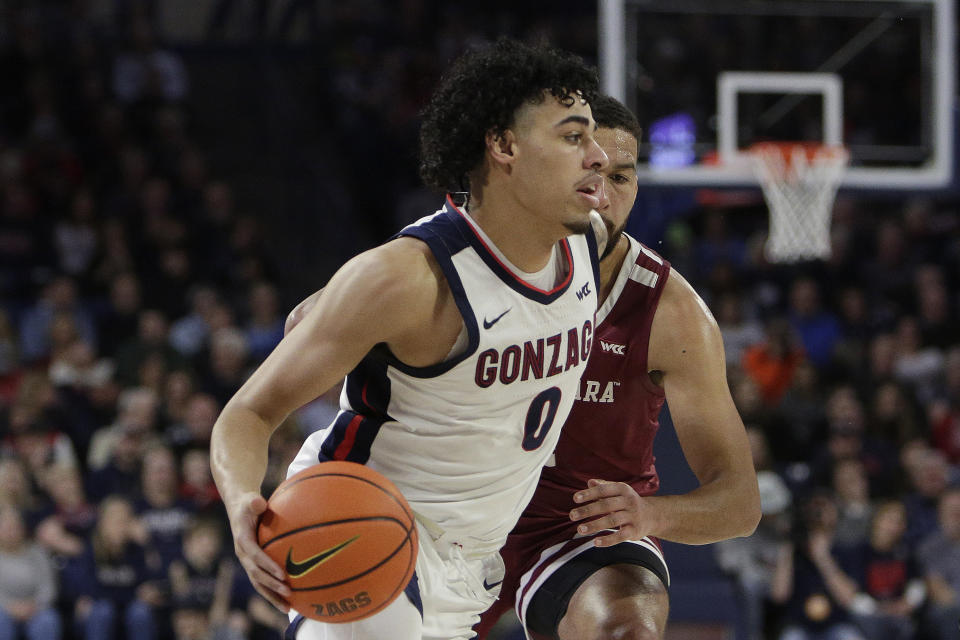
x,y
346,538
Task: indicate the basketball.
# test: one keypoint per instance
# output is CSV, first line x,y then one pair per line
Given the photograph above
x,y
345,537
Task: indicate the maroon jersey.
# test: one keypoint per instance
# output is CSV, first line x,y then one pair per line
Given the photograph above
x,y
610,431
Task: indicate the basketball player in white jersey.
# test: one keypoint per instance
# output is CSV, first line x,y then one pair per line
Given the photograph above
x,y
584,561
462,341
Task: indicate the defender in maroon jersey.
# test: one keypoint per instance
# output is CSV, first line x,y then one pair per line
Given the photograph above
x,y
584,561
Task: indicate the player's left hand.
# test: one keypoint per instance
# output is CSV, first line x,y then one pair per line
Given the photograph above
x,y
613,505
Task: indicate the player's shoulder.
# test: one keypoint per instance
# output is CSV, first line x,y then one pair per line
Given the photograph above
x,y
399,274
682,316
406,263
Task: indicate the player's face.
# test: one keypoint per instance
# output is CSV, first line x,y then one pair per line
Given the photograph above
x,y
620,181
557,162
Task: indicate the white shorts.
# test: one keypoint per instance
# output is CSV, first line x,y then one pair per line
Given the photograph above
x,y
449,591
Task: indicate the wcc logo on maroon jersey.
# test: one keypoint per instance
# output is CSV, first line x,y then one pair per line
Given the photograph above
x,y
542,358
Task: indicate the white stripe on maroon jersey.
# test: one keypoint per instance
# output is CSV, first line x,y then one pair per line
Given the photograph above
x,y
644,276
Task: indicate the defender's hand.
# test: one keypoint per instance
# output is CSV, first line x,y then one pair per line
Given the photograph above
x,y
615,505
265,574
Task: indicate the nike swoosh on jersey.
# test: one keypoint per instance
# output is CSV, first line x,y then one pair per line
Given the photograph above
x,y
299,569
489,323
490,586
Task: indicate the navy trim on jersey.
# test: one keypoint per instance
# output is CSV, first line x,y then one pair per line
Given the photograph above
x,y
351,438
444,240
550,602
290,633
368,388
412,590
493,262
594,259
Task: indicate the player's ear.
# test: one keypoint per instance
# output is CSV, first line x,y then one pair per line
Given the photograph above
x,y
502,147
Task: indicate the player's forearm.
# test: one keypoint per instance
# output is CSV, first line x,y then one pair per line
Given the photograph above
x,y
715,511
238,452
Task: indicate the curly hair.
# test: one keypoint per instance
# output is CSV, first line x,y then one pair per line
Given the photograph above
x,y
481,93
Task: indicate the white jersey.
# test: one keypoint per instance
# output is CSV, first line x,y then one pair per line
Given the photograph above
x,y
465,440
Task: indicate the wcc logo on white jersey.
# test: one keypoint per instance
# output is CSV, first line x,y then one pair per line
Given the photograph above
x,y
613,347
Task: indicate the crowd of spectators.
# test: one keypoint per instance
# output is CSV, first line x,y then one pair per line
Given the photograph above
x,y
135,296
847,375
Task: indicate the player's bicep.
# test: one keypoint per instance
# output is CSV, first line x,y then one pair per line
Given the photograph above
x,y
687,346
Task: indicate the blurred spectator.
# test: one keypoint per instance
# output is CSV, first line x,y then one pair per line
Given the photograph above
x,y
802,576
27,583
801,412
117,255
929,477
214,227
138,412
161,510
9,359
914,364
151,340
854,508
817,328
145,71
119,318
68,521
893,417
752,560
110,583
189,334
717,245
202,583
739,331
944,411
882,358
847,438
32,435
887,272
939,555
194,430
880,582
60,298
227,366
76,238
197,487
120,474
937,323
25,251
16,488
771,364
264,327
177,390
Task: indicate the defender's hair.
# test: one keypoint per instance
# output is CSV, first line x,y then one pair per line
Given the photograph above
x,y
481,93
610,113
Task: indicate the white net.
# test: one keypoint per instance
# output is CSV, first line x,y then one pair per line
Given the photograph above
x,y
800,182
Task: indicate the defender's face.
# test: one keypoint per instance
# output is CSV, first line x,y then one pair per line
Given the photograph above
x,y
620,180
557,162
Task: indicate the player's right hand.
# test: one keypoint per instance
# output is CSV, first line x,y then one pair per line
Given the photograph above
x,y
265,574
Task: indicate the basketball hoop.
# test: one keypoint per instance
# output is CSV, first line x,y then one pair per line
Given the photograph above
x,y
800,181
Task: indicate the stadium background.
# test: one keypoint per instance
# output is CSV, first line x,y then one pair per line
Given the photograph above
x,y
175,175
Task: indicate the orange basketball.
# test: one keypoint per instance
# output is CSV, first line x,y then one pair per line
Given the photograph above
x,y
346,538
